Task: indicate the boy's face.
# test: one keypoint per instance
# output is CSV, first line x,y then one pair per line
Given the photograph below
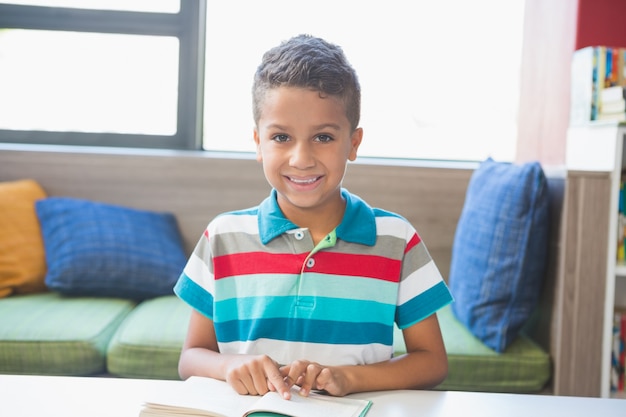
x,y
304,142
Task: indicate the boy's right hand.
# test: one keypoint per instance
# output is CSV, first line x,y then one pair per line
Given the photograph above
x,y
256,375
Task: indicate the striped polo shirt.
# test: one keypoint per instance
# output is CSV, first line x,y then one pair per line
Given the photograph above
x,y
269,290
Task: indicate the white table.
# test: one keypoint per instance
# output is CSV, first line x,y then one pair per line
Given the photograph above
x,y
49,396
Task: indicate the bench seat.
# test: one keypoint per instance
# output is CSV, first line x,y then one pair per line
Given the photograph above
x,y
49,334
147,345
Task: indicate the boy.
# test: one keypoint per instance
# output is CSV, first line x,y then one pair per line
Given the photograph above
x,y
304,288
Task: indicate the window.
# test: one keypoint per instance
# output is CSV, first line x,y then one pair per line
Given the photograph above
x,y
89,82
111,73
439,79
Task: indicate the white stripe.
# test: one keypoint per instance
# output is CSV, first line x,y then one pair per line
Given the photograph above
x,y
285,352
229,223
419,281
198,271
394,226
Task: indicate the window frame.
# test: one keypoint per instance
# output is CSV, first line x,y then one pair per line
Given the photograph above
x,y
188,25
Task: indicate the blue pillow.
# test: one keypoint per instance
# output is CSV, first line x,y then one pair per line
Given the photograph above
x,y
105,250
499,254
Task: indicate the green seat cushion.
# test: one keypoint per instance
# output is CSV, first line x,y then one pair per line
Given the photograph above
x,y
51,334
472,366
148,343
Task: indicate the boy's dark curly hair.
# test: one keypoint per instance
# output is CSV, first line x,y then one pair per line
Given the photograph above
x,y
308,62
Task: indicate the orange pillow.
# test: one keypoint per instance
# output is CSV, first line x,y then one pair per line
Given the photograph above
x,y
22,257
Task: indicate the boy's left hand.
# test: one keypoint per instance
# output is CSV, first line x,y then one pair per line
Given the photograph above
x,y
313,376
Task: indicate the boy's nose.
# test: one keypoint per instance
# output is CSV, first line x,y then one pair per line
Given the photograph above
x,y
302,156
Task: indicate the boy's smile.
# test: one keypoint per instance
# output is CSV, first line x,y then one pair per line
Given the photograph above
x,y
304,142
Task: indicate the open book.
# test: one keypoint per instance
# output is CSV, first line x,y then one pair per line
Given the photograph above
x,y
207,397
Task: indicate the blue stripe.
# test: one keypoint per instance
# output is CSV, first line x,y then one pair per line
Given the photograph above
x,y
310,308
304,330
424,305
194,295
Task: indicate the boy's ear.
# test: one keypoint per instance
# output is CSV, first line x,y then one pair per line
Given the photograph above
x,y
257,141
355,141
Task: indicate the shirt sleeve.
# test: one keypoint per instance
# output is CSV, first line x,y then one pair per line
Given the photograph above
x,y
196,285
422,290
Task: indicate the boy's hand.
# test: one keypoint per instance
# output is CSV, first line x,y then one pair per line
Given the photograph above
x,y
256,375
310,375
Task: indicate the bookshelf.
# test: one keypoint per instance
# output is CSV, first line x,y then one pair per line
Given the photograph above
x,y
597,151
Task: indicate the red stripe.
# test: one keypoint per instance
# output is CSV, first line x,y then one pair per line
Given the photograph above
x,y
415,240
250,263
257,263
369,266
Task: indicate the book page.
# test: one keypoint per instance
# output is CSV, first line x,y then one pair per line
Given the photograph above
x,y
314,405
207,397
199,396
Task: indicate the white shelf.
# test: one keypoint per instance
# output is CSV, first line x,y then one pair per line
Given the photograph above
x,y
620,270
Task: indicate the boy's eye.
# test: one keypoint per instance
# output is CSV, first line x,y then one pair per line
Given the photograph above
x,y
280,138
323,138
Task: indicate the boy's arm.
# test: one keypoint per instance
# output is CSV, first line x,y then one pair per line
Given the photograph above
x,y
424,366
247,374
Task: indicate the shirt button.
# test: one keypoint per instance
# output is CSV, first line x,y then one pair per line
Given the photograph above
x,y
310,263
299,235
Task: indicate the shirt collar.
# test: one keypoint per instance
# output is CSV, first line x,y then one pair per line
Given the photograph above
x,y
357,226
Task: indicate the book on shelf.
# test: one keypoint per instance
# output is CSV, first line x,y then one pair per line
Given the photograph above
x,y
207,397
611,66
621,220
614,116
614,93
617,106
594,70
612,103
618,352
618,346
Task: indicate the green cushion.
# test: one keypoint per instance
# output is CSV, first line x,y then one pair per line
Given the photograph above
x,y
50,334
472,366
148,343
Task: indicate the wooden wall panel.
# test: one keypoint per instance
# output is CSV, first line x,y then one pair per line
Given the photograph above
x,y
197,187
583,283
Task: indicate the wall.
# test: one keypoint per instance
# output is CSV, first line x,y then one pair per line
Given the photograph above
x,y
601,22
549,33
553,30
